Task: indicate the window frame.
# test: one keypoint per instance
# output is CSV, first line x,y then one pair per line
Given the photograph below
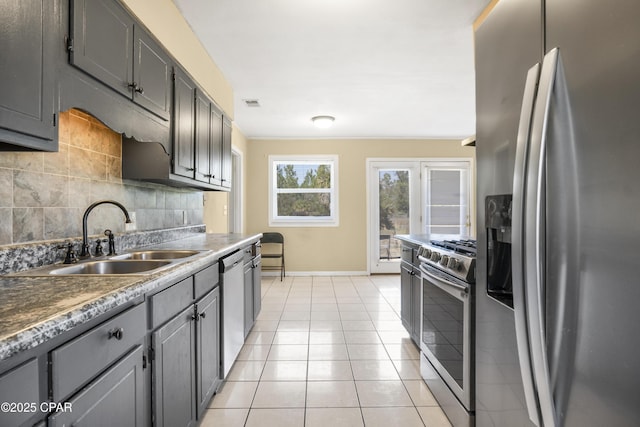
x,y
276,220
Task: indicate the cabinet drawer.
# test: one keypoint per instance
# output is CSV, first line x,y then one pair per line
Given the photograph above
x,y
19,385
171,301
408,254
81,359
248,254
205,280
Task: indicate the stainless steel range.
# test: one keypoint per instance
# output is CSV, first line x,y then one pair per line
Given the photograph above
x,y
446,339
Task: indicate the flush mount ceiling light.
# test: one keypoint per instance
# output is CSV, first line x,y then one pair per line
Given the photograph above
x,y
323,122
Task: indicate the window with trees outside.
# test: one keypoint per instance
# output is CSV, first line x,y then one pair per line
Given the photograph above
x,y
303,191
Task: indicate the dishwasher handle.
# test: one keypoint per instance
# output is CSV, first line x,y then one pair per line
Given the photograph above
x,y
231,260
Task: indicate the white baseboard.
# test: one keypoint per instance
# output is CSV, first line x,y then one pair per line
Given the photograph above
x,y
316,273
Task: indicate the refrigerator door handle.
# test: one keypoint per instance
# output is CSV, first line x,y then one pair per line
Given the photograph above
x,y
535,239
517,247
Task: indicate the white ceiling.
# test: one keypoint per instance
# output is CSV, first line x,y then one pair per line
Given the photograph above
x,y
382,68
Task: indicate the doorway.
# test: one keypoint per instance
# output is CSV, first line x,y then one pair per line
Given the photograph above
x,y
415,196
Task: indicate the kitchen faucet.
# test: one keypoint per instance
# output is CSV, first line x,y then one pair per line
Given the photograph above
x,y
85,253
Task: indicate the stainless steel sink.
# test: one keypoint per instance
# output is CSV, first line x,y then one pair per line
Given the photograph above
x,y
113,267
157,255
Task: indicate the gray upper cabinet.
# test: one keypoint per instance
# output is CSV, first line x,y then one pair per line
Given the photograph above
x,y
151,74
108,44
208,142
226,153
202,137
183,125
27,87
215,146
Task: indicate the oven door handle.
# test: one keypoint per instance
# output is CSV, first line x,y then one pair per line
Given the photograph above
x,y
440,281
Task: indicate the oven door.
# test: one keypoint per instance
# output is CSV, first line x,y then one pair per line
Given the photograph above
x,y
446,330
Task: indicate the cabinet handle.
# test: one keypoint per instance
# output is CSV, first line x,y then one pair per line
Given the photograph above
x,y
116,333
197,316
208,176
190,169
135,87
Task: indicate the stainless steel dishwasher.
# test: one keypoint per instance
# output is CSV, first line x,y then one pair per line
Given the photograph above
x,y
232,309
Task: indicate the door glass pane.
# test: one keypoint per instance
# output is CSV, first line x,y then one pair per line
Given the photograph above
x,y
393,203
447,210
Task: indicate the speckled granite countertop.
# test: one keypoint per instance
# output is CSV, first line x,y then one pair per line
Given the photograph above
x,y
34,309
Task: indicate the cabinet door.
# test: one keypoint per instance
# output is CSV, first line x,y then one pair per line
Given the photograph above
x,y
174,372
202,135
151,74
248,298
215,147
19,385
183,125
416,305
226,153
27,84
208,341
406,271
114,399
102,33
257,286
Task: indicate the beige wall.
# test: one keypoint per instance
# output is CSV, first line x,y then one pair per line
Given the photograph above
x,y
342,248
216,203
164,20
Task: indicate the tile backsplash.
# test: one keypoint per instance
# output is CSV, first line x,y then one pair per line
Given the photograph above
x,y
43,195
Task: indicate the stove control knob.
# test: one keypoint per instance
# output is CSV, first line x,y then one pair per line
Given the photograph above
x,y
426,253
453,264
435,256
444,260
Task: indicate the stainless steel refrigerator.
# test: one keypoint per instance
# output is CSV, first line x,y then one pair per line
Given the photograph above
x,y
558,160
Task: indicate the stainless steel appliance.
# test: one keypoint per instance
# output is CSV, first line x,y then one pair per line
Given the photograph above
x,y
557,93
446,338
232,308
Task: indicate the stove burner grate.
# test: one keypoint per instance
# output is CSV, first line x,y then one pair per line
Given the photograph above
x,y
465,247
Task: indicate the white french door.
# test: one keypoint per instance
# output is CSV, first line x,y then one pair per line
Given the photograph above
x,y
394,208
447,199
415,196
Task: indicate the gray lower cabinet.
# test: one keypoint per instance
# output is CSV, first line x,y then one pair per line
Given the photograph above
x,y
28,86
208,349
257,286
107,43
81,359
252,286
98,378
17,386
410,292
174,372
115,398
186,348
248,298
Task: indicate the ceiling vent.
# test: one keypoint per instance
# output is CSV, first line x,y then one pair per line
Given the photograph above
x,y
252,102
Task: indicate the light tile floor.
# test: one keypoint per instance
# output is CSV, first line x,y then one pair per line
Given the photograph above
x,y
327,351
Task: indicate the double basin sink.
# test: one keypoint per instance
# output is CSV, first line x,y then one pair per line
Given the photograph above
x,y
133,263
